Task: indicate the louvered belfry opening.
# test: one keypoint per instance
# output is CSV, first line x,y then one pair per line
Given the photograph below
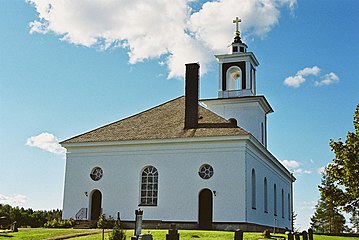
x,y
191,95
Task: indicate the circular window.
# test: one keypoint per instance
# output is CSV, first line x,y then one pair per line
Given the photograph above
x,y
206,171
96,173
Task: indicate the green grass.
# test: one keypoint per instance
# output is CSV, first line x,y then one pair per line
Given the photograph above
x,y
40,233
186,235
323,237
208,235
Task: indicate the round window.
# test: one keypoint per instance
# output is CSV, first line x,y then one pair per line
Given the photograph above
x,y
206,171
96,173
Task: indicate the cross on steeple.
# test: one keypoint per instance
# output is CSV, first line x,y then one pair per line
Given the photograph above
x,y
236,21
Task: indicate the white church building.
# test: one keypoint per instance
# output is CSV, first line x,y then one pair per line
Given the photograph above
x,y
202,164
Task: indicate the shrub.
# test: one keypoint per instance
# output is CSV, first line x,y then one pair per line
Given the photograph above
x,y
105,223
58,223
117,233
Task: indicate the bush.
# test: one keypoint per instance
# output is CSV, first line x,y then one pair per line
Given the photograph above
x,y
58,223
117,233
105,223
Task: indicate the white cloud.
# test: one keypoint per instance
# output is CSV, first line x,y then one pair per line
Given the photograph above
x,y
294,81
309,71
149,29
46,141
13,200
327,79
301,171
294,166
290,163
299,78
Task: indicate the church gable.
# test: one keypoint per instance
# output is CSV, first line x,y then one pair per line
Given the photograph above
x,y
165,121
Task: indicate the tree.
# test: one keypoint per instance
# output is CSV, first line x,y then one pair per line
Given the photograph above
x,y
327,217
344,170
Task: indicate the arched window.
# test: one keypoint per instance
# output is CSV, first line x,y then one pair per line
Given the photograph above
x,y
253,189
282,203
275,200
234,78
149,186
265,195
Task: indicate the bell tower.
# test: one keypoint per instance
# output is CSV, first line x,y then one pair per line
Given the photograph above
x,y
237,96
237,69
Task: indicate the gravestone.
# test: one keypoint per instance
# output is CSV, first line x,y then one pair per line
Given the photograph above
x,y
172,233
138,223
305,235
238,235
145,237
310,234
290,236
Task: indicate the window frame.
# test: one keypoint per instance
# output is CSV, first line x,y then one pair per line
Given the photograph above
x,y
149,186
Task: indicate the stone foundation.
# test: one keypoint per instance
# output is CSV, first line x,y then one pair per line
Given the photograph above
x,y
220,226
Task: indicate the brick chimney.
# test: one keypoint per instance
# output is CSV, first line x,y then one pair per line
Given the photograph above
x,y
191,95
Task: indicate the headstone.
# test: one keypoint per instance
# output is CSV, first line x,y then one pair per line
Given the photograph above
x,y
305,235
145,237
172,233
238,235
138,224
290,236
310,234
14,227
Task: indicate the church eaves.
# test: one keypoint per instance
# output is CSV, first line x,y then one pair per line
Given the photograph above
x,y
165,121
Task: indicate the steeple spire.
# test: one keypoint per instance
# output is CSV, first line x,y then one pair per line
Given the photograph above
x,y
237,45
236,21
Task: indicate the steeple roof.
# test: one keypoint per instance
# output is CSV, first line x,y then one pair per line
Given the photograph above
x,y
165,121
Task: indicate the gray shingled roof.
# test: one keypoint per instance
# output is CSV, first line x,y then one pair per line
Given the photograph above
x,y
165,121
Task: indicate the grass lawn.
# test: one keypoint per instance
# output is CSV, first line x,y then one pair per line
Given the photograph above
x,y
207,235
185,235
41,233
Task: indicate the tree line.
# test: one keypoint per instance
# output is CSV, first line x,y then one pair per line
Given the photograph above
x,y
28,217
339,189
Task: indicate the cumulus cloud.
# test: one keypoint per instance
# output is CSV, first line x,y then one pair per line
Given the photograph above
x,y
294,166
300,171
327,79
151,29
309,71
46,141
13,200
290,163
299,78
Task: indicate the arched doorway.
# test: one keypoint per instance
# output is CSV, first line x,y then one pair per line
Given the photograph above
x,y
96,200
205,209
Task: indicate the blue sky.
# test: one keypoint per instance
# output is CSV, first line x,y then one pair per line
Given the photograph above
x,y
72,67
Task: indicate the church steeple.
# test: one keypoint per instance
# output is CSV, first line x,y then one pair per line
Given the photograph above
x,y
237,69
237,97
